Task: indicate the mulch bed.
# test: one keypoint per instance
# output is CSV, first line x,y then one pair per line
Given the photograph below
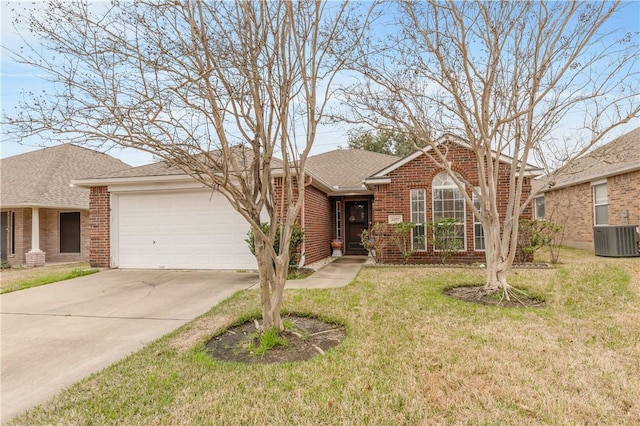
x,y
476,294
312,337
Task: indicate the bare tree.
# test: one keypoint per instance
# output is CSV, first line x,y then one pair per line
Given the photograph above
x,y
229,92
502,76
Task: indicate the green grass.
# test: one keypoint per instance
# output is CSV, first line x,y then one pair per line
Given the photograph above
x,y
40,277
411,356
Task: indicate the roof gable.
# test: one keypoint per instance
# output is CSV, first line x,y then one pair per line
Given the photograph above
x,y
447,138
43,177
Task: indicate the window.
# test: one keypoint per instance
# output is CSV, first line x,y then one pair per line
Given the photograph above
x,y
478,230
448,203
538,208
418,217
600,204
70,232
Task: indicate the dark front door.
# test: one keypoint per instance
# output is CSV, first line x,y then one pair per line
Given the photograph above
x,y
3,242
357,220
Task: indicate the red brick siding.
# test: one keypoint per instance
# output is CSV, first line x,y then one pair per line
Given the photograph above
x,y
317,225
317,220
573,207
99,227
394,198
50,236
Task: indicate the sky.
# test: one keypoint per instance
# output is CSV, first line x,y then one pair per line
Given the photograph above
x,y
15,77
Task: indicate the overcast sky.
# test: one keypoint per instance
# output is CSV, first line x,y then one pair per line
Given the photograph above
x,y
15,77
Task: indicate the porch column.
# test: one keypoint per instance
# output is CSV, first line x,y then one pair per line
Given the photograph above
x,y
35,256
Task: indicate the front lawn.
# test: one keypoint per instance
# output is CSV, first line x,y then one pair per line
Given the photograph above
x,y
411,356
14,279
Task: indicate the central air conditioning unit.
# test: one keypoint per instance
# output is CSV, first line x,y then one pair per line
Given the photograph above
x,y
616,240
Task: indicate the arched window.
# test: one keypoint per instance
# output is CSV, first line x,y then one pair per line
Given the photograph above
x,y
449,211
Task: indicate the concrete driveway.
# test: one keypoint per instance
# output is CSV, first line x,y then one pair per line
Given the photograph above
x,y
55,335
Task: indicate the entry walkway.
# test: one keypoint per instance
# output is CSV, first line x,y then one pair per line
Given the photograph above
x,y
338,273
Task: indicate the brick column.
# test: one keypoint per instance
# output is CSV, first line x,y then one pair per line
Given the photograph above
x,y
99,227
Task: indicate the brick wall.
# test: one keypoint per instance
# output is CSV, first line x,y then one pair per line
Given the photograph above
x,y
50,236
573,207
99,227
317,225
317,220
394,198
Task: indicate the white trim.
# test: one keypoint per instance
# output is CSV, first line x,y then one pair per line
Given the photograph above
x,y
114,242
598,182
475,198
424,213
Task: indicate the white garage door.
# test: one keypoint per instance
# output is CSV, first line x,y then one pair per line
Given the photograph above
x,y
180,230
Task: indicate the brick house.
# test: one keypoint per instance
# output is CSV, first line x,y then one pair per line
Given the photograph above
x,y
154,216
43,217
601,188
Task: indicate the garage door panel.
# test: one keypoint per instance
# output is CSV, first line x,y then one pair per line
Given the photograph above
x,y
176,230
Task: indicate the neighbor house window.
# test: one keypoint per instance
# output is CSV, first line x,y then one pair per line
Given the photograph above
x,y
70,232
418,217
538,208
448,202
600,204
478,230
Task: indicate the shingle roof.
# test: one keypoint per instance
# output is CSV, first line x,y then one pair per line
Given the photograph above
x,y
342,169
621,155
42,178
345,169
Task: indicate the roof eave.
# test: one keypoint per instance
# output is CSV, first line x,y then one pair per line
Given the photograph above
x,y
592,178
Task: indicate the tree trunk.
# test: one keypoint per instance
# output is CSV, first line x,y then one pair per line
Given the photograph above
x,y
497,261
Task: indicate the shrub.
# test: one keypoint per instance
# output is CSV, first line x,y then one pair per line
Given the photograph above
x,y
374,241
446,239
297,235
402,239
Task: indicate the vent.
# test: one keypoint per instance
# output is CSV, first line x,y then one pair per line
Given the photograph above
x,y
616,240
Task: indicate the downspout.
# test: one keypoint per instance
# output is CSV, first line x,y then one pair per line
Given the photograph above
x,y
303,250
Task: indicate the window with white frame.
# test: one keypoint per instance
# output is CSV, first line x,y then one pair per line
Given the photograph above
x,y
478,230
418,217
538,208
600,204
448,203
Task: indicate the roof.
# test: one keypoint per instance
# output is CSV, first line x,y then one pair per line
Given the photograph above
x,y
621,155
342,170
346,169
42,178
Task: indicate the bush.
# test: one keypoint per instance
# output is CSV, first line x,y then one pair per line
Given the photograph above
x,y
535,234
374,241
402,239
297,235
446,240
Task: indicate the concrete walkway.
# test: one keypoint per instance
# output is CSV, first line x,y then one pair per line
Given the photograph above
x,y
338,273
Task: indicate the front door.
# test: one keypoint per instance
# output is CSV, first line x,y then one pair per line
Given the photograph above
x,y
357,220
3,242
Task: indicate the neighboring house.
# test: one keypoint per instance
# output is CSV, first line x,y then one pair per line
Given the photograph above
x,y
44,219
155,216
601,188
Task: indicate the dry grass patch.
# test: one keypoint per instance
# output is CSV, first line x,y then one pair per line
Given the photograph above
x,y
411,356
13,279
